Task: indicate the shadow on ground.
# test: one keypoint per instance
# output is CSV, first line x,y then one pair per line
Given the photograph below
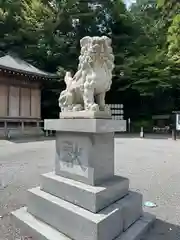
x,y
162,231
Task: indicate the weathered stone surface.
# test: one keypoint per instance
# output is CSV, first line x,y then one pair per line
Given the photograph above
x,y
85,125
38,230
61,214
131,208
73,221
35,228
84,148
88,158
89,197
86,90
85,115
85,152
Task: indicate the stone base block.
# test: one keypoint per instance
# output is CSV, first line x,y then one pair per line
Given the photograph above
x,y
92,198
78,223
85,157
84,148
85,114
85,125
75,222
131,206
38,230
136,231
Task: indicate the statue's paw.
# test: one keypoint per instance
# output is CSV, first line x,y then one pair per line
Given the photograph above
x,y
66,109
107,109
77,107
69,108
102,108
94,107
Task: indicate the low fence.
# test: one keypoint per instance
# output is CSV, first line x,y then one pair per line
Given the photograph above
x,y
20,127
10,127
117,111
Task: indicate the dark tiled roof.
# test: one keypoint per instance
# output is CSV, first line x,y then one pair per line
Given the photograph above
x,y
16,64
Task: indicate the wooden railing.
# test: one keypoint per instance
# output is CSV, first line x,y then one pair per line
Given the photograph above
x,y
10,125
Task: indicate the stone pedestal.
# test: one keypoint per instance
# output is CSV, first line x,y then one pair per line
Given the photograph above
x,y
83,199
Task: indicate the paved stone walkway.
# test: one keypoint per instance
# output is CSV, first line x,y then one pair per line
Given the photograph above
x,y
152,166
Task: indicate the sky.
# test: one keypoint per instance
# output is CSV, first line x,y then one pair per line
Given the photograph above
x,y
128,2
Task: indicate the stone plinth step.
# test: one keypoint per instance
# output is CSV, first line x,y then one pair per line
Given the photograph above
x,y
131,209
136,231
75,222
32,227
38,230
80,224
92,198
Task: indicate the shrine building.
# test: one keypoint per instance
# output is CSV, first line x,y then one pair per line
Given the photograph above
x,y
20,95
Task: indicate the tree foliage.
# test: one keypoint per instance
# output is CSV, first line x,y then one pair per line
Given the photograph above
x,y
146,41
151,68
171,13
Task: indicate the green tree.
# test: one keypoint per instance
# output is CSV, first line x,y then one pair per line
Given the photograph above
x,y
171,15
173,39
146,67
47,34
9,25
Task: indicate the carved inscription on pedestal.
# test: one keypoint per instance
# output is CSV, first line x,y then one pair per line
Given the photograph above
x,y
71,159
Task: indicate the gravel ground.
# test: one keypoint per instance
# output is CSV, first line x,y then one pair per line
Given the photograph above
x,y
151,164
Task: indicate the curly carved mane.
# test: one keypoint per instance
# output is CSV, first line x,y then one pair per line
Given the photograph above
x,y
96,50
87,89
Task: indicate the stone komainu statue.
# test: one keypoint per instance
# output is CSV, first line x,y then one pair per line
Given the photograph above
x,y
87,89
